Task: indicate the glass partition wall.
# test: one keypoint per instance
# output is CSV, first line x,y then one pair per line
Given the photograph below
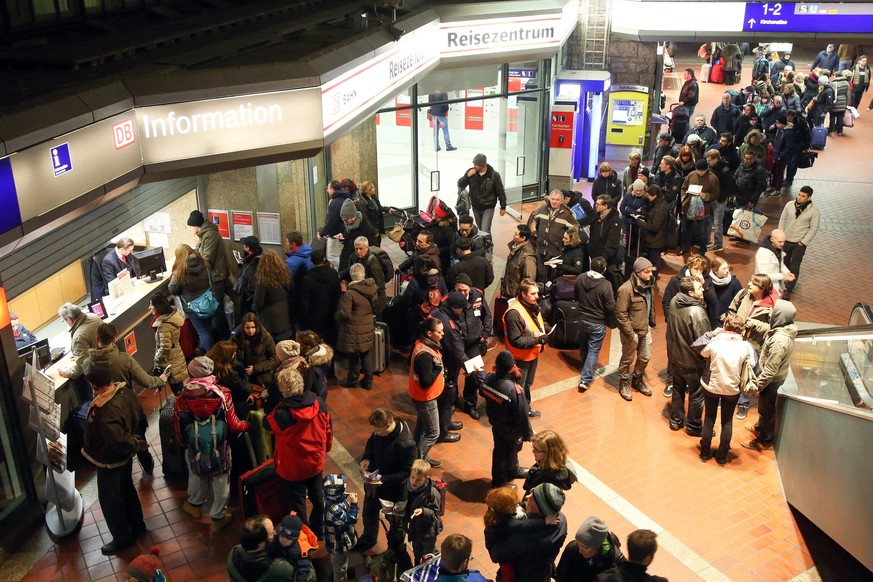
x,y
427,137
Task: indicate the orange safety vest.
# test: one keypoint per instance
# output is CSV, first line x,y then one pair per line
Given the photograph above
x,y
534,327
416,390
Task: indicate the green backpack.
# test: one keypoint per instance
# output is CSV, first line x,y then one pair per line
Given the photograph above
x,y
207,439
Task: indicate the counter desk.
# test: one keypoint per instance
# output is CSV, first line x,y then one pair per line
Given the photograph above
x,y
130,315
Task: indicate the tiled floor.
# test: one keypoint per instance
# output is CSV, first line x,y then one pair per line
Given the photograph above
x,y
714,523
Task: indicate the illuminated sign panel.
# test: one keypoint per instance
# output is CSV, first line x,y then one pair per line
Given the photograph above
x,y
792,17
219,126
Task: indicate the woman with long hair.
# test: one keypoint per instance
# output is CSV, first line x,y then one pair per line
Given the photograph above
x,y
686,160
369,206
231,374
190,280
256,350
168,324
550,453
273,288
501,509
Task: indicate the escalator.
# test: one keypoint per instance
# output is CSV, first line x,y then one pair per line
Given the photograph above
x,y
825,434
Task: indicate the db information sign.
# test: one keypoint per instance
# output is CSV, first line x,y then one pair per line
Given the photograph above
x,y
61,162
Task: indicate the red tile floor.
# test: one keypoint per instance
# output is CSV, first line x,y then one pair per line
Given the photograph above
x,y
713,523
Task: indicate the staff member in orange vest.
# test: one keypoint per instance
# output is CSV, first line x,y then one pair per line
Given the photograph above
x,y
526,334
426,383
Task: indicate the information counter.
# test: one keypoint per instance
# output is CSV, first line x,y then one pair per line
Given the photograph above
x,y
136,336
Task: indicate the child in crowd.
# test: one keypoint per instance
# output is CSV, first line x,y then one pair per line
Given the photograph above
x,y
287,545
422,519
340,516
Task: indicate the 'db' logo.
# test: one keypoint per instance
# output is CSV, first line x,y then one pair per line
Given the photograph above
x,y
123,133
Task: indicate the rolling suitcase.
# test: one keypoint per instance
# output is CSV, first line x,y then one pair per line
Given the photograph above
x,y
704,73
819,138
568,325
500,306
381,349
260,493
172,453
716,75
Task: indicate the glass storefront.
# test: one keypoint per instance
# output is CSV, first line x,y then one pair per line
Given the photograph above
x,y
495,110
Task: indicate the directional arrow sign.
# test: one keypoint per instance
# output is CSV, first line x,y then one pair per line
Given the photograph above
x,y
751,23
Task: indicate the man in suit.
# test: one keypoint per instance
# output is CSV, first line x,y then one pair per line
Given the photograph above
x,y
117,260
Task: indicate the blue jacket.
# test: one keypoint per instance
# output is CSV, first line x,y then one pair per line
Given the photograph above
x,y
299,262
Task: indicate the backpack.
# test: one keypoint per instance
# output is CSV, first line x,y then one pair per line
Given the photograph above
x,y
489,244
208,439
564,288
385,261
432,302
696,208
762,66
442,488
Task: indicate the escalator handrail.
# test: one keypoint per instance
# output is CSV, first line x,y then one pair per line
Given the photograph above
x,y
865,309
824,332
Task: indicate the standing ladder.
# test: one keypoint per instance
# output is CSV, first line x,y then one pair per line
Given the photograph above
x,y
595,34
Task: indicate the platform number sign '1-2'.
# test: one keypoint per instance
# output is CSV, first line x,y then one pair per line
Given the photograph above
x,y
772,9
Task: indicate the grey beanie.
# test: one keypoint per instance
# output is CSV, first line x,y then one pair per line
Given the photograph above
x,y
480,160
548,498
200,367
592,532
348,210
639,184
641,264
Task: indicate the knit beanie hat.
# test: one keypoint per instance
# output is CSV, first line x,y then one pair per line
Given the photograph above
x,y
348,210
145,566
641,264
456,300
639,184
290,527
592,532
286,349
504,362
464,278
200,367
480,160
823,80
196,218
549,498
700,165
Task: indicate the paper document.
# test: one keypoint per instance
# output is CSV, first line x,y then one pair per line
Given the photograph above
x,y
474,364
695,188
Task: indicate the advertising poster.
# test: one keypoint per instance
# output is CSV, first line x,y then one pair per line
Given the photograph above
x,y
268,226
220,219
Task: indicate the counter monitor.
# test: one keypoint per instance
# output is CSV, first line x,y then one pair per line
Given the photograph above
x,y
149,263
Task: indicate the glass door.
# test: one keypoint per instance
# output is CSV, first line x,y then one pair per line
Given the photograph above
x,y
520,122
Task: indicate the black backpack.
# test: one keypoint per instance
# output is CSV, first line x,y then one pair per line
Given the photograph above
x,y
385,261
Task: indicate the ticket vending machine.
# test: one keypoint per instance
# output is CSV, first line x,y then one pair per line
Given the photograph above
x,y
577,109
627,120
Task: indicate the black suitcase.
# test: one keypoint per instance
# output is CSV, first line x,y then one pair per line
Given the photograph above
x,y
381,349
565,315
260,492
172,453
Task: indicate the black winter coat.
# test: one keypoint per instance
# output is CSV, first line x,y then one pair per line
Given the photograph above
x,y
573,567
479,269
318,298
573,260
610,186
605,238
595,297
274,310
392,455
654,227
509,417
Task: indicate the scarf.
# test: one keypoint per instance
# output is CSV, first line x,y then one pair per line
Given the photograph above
x,y
719,281
799,208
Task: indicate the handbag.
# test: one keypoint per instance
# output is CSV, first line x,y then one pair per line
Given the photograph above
x,y
805,159
747,224
396,232
206,305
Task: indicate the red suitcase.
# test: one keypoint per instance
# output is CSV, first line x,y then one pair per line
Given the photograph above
x,y
260,492
716,75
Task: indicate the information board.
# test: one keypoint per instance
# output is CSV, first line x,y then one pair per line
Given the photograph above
x,y
818,18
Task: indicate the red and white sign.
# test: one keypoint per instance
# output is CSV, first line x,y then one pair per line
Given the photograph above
x,y
243,224
124,133
220,219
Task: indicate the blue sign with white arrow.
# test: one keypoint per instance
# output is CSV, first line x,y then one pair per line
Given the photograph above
x,y
820,18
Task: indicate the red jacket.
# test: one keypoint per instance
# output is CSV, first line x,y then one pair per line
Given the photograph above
x,y
303,436
199,400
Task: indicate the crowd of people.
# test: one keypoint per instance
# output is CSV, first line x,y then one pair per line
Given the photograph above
x,y
257,362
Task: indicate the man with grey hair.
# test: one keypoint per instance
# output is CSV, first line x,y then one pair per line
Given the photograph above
x,y
83,329
547,224
367,256
357,328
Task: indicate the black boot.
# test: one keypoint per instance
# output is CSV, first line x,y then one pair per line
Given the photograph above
x,y
638,384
